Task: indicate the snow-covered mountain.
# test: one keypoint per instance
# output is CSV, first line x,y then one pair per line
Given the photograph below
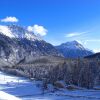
x,y
16,43
73,49
14,31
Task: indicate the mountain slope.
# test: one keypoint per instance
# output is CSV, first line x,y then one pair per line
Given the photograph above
x,y
94,56
16,43
15,31
73,50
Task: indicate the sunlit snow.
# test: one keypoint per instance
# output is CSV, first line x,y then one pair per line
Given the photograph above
x,y
19,88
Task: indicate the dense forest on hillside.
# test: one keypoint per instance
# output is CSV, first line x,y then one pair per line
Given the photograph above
x,y
80,72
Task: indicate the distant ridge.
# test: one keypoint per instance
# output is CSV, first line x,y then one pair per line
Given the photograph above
x,y
73,49
97,55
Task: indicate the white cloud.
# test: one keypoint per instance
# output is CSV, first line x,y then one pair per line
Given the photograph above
x,y
37,30
74,34
9,19
96,50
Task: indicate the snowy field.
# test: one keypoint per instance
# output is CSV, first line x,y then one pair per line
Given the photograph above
x,y
18,88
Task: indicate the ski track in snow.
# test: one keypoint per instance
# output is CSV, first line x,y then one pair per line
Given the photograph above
x,y
19,88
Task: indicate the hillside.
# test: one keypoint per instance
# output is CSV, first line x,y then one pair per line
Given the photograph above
x,y
16,44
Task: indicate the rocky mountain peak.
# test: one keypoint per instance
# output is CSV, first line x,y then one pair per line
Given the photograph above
x,y
73,49
16,31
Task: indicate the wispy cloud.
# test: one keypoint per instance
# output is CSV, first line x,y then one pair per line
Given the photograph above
x,y
91,40
9,19
74,34
38,30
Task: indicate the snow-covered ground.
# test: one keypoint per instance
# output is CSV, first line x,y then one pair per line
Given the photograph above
x,y
19,88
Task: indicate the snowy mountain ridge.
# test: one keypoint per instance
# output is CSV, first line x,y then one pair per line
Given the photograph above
x,y
17,43
15,31
73,45
73,49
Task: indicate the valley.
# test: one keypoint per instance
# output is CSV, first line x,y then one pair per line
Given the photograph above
x,y
24,89
32,68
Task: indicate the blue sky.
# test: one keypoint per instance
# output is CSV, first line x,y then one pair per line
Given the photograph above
x,y
64,20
